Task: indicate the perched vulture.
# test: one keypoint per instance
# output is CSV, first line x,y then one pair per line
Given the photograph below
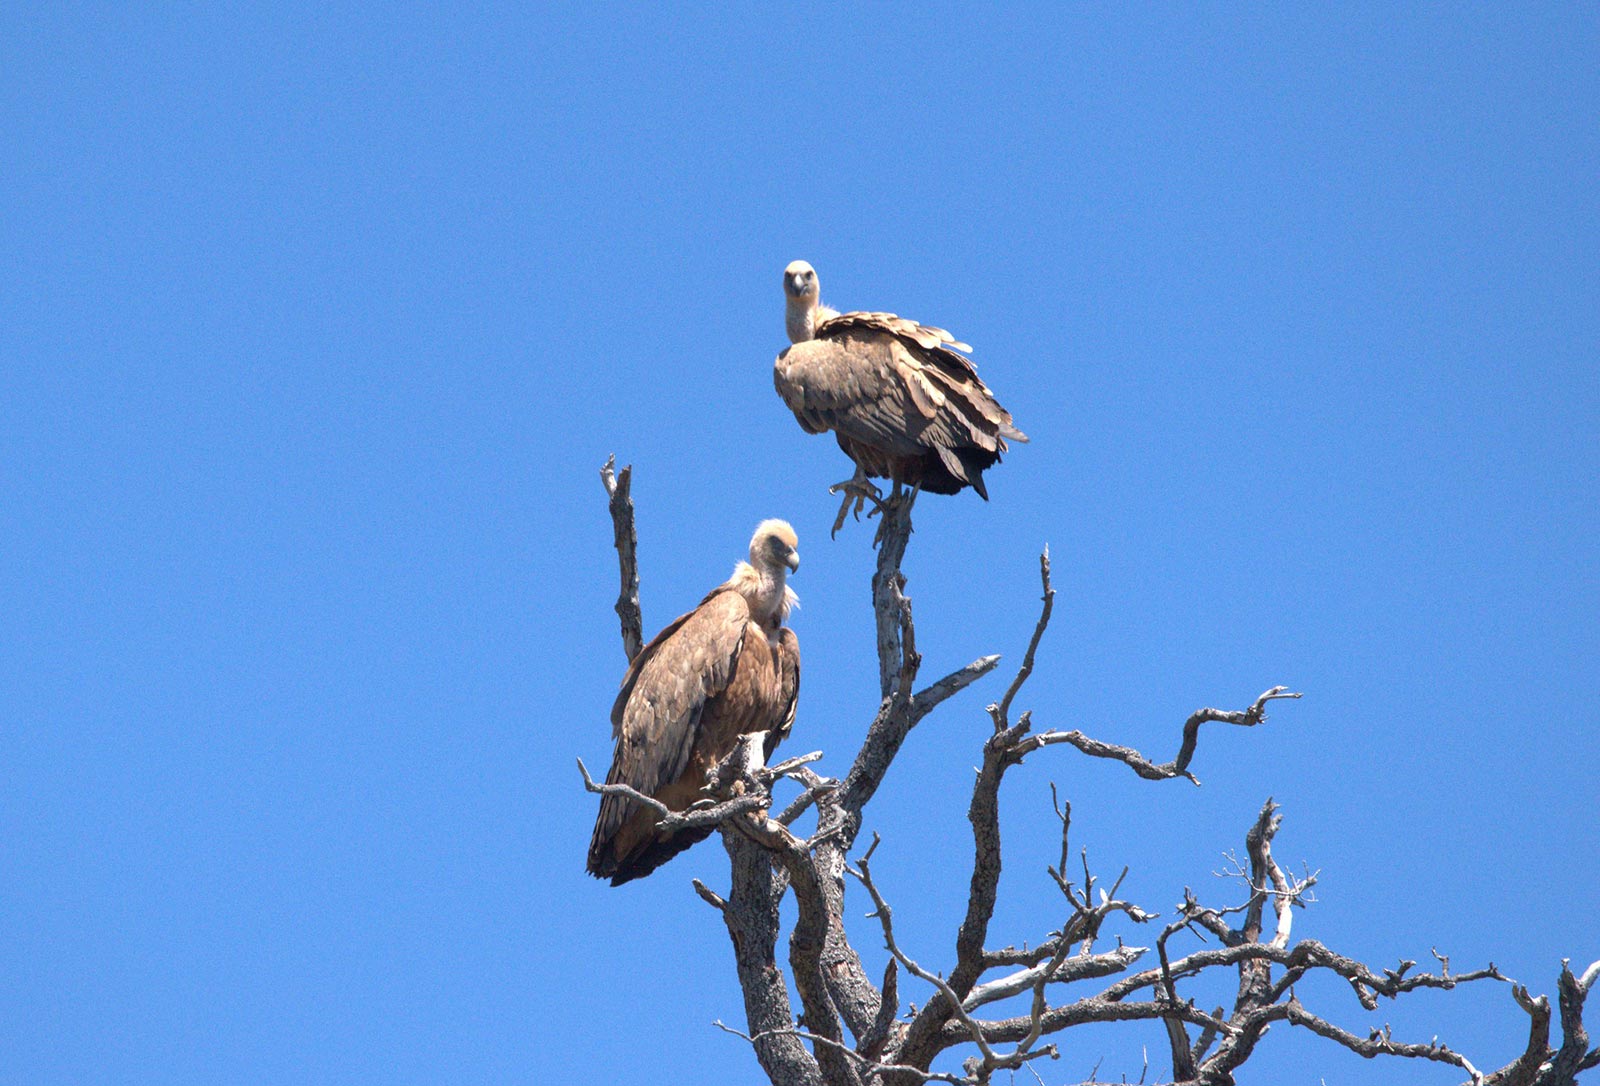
x,y
902,400
728,669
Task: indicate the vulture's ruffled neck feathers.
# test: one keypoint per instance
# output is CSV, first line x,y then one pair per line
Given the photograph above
x,y
765,591
803,316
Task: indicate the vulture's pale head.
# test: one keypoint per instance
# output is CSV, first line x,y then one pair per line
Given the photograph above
x,y
800,283
773,547
803,309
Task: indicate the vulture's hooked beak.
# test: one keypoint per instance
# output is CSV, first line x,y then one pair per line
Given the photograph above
x,y
793,561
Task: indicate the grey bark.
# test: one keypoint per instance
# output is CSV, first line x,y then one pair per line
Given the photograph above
x,y
767,861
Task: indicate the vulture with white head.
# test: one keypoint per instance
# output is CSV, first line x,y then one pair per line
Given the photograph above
x,y
902,399
727,670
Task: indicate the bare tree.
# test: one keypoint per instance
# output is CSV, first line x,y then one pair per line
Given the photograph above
x,y
896,1044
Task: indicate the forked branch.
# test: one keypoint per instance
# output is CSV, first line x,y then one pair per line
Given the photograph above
x,y
1179,766
1253,939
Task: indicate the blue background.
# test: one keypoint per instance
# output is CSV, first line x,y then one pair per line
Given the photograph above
x,y
316,325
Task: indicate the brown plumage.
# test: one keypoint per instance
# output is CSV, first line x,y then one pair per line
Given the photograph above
x,y
901,398
727,669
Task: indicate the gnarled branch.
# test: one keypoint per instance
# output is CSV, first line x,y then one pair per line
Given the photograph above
x,y
1179,766
618,485
768,860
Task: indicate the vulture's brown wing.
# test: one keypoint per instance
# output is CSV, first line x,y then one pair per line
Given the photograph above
x,y
893,384
925,336
849,386
786,657
939,357
656,717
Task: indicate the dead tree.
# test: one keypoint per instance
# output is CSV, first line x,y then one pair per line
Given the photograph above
x,y
852,1031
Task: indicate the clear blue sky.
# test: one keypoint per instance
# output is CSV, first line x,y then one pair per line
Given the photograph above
x,y
317,324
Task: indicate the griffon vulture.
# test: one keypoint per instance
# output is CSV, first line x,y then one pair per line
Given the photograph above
x,y
902,400
726,670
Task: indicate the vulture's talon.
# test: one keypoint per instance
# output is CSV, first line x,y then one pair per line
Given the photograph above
x,y
860,487
838,521
860,490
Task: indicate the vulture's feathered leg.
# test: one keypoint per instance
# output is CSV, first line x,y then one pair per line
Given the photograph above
x,y
859,489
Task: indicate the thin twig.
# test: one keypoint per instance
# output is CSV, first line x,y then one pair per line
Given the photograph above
x,y
1001,712
671,821
863,872
1179,766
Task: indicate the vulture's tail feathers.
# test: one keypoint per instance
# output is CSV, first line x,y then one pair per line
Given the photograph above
x,y
647,859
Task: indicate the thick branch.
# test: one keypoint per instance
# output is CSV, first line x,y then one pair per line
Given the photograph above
x,y
1540,1064
984,810
751,915
1255,977
866,1063
898,664
893,535
1066,971
897,667
1082,1012
872,1042
983,887
1573,1054
806,944
626,539
864,1009
1177,1032
1525,1068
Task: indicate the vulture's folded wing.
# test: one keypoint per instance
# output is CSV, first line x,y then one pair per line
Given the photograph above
x,y
786,656
656,717
850,386
894,384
